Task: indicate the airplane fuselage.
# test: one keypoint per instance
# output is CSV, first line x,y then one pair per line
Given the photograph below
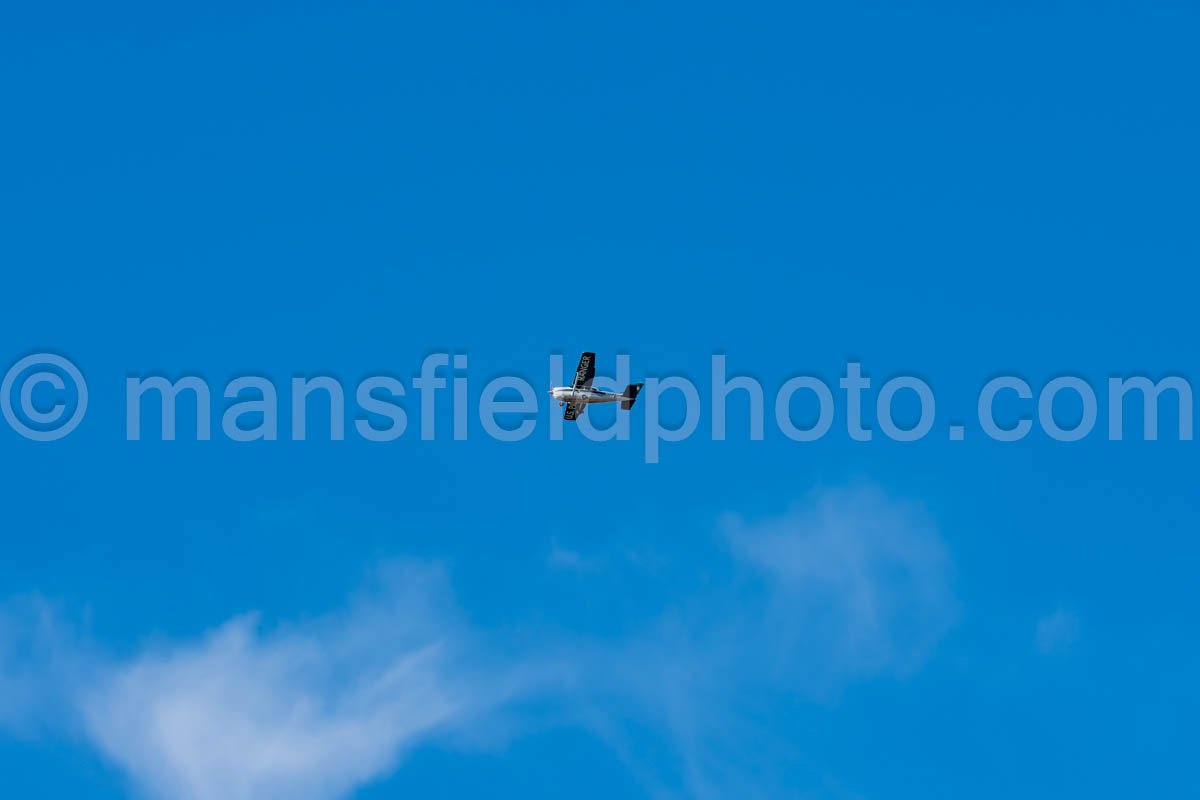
x,y
584,396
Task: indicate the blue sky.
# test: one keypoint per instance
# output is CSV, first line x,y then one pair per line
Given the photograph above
x,y
948,190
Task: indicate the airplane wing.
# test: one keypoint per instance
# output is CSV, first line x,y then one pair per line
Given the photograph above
x,y
585,372
573,411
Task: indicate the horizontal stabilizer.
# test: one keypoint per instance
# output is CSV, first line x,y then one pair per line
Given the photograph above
x,y
631,393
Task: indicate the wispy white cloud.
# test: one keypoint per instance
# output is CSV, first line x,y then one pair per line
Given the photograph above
x,y
307,711
39,657
568,560
852,575
848,585
1056,632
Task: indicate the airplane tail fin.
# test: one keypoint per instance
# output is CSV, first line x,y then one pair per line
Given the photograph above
x,y
631,392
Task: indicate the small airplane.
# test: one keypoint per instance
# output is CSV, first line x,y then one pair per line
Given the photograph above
x,y
579,395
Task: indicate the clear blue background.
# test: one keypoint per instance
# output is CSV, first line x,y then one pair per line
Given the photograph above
x,y
953,190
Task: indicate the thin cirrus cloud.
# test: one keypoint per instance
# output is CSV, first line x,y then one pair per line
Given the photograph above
x,y
853,575
849,585
309,711
1056,632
